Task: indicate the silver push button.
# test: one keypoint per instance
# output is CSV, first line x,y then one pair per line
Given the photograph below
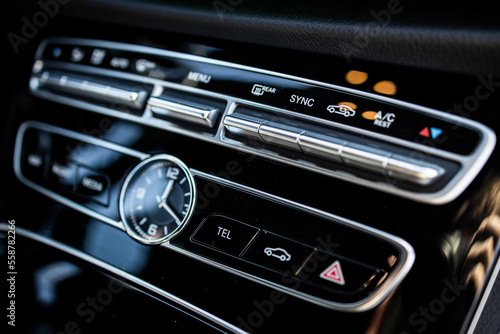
x,y
325,148
201,115
89,88
243,126
403,169
282,136
364,157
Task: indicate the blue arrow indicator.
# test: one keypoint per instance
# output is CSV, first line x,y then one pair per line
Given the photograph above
x,y
435,132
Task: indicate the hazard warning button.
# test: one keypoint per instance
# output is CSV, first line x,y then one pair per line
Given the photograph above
x,y
334,274
339,274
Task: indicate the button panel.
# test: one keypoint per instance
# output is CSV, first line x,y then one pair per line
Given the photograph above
x,y
62,165
308,265
325,102
382,143
318,267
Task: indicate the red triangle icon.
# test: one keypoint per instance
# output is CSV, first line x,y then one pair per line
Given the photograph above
x,y
425,132
334,273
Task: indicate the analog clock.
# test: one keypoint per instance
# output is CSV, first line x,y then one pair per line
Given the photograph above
x,y
157,199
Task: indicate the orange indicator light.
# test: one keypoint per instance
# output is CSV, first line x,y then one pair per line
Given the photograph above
x,y
371,115
356,77
351,105
385,87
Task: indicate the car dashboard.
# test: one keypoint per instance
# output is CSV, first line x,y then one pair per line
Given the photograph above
x,y
239,168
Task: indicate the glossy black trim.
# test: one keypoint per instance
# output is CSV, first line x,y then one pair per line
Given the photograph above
x,y
400,270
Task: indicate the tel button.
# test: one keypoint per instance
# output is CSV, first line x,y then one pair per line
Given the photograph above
x,y
225,234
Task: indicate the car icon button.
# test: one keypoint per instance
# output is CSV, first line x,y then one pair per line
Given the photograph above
x,y
278,253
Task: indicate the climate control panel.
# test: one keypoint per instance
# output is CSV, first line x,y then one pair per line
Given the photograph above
x,y
371,140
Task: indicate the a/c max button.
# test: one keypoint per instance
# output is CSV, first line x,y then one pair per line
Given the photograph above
x,y
225,234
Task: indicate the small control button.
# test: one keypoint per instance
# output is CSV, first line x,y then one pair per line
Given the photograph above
x,y
93,184
225,234
62,174
364,157
77,54
185,110
275,252
35,155
281,135
186,107
86,87
242,126
418,172
34,165
321,146
342,275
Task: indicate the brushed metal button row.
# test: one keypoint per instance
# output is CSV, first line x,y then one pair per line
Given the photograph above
x,y
135,98
334,149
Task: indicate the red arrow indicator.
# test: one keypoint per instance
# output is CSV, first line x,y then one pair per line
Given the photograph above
x,y
425,132
334,273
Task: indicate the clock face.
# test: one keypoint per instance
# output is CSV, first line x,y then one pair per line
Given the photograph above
x,y
157,199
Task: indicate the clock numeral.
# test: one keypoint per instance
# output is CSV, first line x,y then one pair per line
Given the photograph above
x,y
173,173
140,192
152,229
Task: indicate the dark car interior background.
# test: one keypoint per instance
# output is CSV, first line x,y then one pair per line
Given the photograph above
x,y
247,166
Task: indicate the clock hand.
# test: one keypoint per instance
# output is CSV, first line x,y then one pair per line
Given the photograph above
x,y
162,204
167,191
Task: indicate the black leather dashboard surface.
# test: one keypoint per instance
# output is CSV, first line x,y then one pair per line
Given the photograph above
x,y
462,38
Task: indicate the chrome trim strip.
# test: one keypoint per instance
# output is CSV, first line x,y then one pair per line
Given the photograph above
x,y
471,165
123,274
380,293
